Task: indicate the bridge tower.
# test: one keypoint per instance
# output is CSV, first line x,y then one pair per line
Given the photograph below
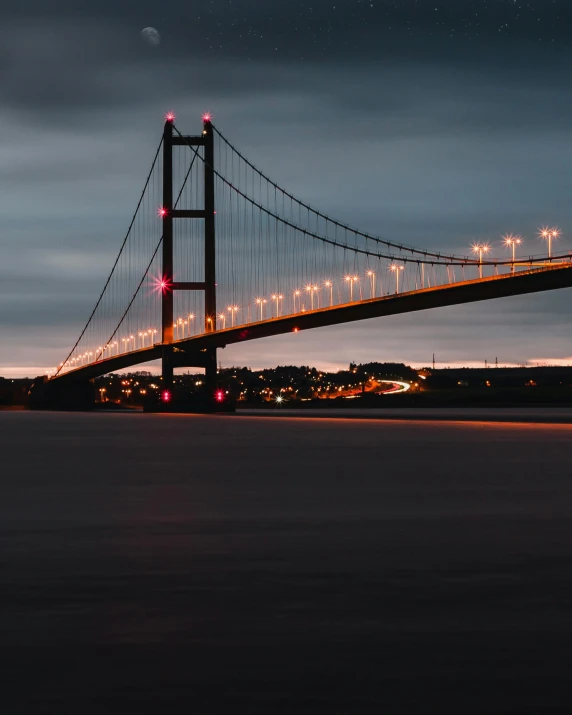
x,y
170,214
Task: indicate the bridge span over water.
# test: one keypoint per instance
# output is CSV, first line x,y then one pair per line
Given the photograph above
x,y
217,253
189,352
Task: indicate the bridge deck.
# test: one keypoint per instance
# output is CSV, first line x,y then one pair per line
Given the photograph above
x,y
189,349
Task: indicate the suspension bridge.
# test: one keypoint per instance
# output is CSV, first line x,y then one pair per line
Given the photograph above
x,y
217,253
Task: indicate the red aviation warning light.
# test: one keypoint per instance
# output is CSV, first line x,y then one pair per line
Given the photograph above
x,y
170,117
219,396
161,284
165,396
162,212
207,117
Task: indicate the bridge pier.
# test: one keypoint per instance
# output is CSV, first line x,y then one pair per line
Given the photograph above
x,y
46,394
211,378
167,367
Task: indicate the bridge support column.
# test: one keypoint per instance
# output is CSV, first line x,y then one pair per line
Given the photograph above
x,y
169,213
167,271
210,254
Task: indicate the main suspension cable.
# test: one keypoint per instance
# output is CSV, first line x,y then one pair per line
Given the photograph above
x,y
438,261
150,263
451,259
338,224
118,257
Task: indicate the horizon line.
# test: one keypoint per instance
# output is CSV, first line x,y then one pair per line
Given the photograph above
x,y
30,373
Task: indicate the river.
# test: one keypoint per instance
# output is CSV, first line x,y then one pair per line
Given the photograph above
x,y
210,564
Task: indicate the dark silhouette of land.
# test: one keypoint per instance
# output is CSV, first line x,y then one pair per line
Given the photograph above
x,y
304,387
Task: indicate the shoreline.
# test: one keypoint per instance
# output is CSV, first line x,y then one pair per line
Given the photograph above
x,y
498,415
530,415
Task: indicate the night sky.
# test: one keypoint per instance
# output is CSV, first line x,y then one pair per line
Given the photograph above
x,y
433,123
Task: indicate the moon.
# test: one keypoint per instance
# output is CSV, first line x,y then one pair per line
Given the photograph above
x,y
151,36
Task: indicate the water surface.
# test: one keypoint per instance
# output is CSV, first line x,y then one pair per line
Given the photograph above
x,y
154,563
